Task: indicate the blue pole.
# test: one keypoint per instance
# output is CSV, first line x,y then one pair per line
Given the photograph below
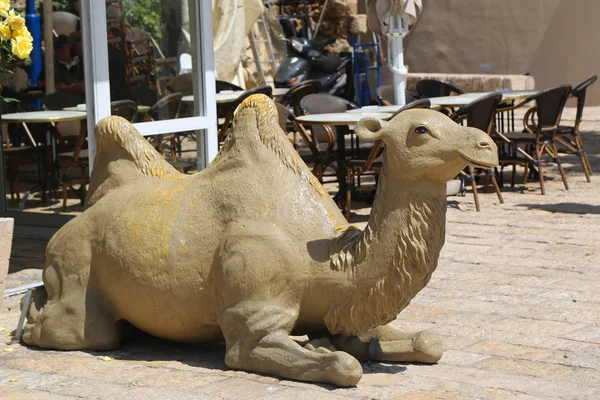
x,y
32,19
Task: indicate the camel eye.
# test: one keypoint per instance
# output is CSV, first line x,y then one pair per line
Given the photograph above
x,y
421,129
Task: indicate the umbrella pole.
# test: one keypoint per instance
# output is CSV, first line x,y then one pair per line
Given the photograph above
x,y
396,64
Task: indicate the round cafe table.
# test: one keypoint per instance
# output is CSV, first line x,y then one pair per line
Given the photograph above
x,y
385,109
343,120
44,116
227,96
83,108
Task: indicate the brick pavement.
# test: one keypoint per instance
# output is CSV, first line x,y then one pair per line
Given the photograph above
x,y
515,298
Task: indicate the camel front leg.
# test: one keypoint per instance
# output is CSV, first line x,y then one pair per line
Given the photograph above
x,y
257,337
388,343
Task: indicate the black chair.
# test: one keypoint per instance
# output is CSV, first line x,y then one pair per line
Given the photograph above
x,y
385,96
222,85
223,108
297,92
428,88
183,84
357,169
570,136
18,151
127,109
230,107
322,138
541,124
479,114
166,108
283,116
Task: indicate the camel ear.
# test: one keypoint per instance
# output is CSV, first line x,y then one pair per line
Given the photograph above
x,y
369,128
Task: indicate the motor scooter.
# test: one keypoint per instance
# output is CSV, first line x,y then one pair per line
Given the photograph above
x,y
308,61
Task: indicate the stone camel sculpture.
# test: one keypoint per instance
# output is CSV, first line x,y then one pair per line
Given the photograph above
x,y
253,249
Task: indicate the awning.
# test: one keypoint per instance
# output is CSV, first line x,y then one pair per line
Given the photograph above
x,y
232,21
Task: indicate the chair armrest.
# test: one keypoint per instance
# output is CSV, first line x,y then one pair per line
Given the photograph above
x,y
458,116
373,154
514,106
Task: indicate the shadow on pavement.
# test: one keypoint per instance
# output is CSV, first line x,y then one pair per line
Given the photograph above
x,y
565,208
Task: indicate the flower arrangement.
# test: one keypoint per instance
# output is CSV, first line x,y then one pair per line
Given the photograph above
x,y
16,42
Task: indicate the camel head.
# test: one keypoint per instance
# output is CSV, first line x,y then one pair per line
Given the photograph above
x,y
425,144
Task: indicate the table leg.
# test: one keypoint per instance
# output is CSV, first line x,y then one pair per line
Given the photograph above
x,y
341,132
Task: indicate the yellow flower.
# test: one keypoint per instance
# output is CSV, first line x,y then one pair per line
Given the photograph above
x,y
16,22
23,32
4,8
5,31
21,47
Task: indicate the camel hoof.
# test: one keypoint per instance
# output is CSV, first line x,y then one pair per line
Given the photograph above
x,y
429,347
346,370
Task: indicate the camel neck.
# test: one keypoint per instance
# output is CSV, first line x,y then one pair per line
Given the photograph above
x,y
394,257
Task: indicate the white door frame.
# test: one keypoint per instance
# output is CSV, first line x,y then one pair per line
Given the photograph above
x,y
95,54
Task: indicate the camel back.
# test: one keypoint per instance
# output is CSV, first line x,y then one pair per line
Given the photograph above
x,y
124,156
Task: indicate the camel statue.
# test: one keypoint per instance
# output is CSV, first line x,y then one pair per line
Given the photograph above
x,y
253,249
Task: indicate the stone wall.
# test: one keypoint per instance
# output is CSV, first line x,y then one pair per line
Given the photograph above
x,y
339,19
475,82
553,40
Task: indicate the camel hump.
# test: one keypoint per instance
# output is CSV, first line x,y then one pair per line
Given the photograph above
x,y
124,156
267,119
117,138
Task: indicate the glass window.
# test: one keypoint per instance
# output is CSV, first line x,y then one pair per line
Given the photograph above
x,y
149,61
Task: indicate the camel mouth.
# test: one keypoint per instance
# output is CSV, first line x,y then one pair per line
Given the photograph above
x,y
480,163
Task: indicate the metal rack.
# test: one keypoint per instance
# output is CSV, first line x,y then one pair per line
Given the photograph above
x,y
367,58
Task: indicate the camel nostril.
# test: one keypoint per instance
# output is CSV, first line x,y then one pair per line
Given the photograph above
x,y
484,144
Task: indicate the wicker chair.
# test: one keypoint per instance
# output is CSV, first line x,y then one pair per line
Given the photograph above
x,y
570,136
479,114
75,160
385,96
356,169
15,157
166,108
297,92
222,85
322,138
125,108
183,84
541,124
230,107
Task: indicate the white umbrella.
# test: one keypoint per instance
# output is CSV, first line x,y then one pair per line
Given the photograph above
x,y
393,18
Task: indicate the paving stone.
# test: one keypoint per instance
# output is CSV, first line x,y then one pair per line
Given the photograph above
x,y
542,370
462,358
508,350
8,393
239,389
589,334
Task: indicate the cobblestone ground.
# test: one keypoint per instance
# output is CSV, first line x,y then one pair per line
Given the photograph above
x,y
515,298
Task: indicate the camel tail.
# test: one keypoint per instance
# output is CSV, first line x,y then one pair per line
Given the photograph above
x,y
124,156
